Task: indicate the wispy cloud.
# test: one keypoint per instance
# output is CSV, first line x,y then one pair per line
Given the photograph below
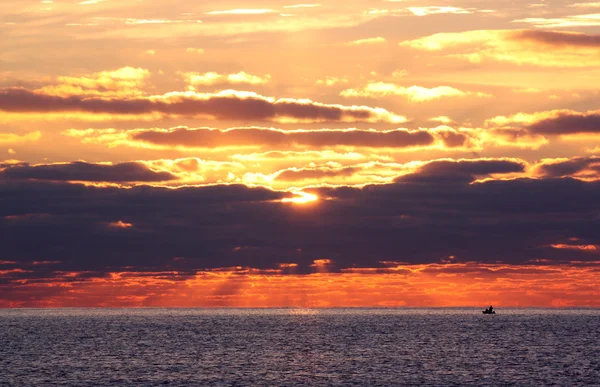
x,y
212,78
433,10
413,93
242,11
589,20
307,5
367,41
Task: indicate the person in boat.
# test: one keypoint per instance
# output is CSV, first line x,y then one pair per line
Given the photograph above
x,y
491,309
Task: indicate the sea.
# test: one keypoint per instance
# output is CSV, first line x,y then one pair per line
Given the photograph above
x,y
296,347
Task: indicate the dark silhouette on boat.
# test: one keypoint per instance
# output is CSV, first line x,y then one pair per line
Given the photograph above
x,y
489,310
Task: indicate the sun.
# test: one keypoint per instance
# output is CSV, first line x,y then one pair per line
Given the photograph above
x,y
301,198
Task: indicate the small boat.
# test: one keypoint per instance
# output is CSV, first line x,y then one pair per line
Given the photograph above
x,y
489,310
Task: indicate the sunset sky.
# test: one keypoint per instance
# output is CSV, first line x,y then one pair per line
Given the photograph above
x,y
270,153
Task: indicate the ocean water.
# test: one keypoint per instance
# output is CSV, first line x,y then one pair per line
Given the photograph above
x,y
204,347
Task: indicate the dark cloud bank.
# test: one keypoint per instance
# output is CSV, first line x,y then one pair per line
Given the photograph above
x,y
232,107
574,166
209,138
424,217
568,123
82,171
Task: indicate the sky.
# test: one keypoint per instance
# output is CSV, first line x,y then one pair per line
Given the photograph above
x,y
275,153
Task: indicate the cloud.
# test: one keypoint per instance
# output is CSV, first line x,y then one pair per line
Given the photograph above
x,y
212,78
331,81
413,93
360,42
112,21
120,225
433,10
589,20
464,170
282,139
442,119
160,21
590,248
225,105
394,285
586,5
81,171
585,167
568,123
12,138
553,122
335,174
247,141
308,5
506,137
437,211
538,48
297,174
553,38
242,11
125,81
458,171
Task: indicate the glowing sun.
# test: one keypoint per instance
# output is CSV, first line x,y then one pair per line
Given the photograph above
x,y
301,198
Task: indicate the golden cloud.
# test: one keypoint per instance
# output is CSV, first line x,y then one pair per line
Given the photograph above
x,y
126,81
538,48
11,138
212,78
588,20
413,93
364,41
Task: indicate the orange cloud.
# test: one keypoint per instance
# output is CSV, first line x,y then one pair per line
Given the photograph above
x,y
470,284
590,248
120,225
11,138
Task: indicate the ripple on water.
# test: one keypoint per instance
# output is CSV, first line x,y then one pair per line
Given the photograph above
x,y
80,347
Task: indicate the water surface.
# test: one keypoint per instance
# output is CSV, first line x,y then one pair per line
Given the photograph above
x,y
440,347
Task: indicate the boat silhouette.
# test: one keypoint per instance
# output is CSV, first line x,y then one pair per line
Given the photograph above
x,y
489,310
